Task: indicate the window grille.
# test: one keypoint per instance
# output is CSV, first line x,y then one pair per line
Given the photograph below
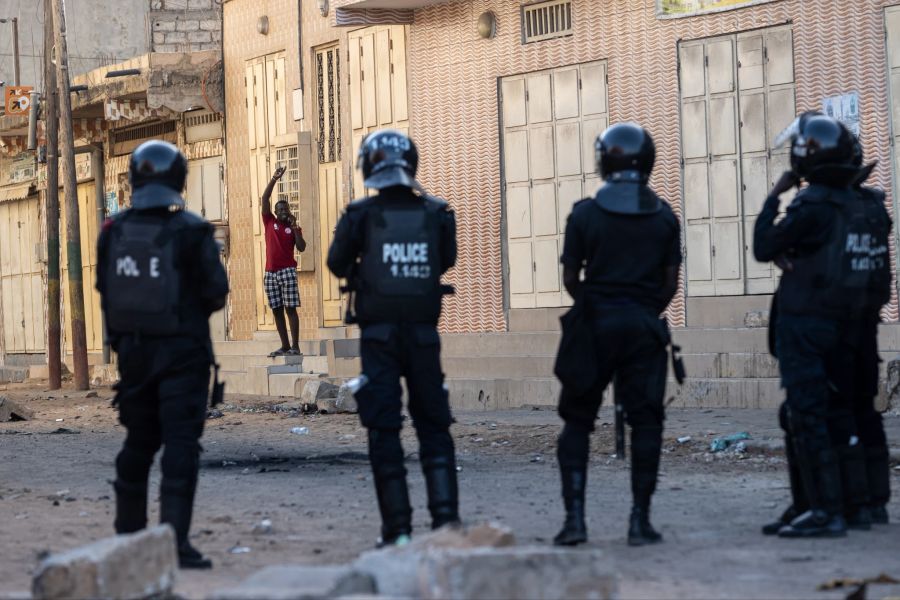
x,y
546,20
128,138
328,101
289,185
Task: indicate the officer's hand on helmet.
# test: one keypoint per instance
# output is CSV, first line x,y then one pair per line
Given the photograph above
x,y
278,173
788,180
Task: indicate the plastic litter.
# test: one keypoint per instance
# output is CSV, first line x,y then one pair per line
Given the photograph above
x,y
300,430
263,527
356,384
723,443
684,440
239,550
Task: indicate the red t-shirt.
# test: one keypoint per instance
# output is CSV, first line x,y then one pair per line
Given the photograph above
x,y
279,244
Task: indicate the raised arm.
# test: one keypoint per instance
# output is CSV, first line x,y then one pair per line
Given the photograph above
x,y
266,201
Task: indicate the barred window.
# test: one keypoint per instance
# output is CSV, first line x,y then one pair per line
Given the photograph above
x,y
328,101
289,185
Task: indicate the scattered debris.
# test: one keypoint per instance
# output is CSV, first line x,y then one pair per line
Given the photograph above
x,y
63,430
59,420
723,443
264,527
846,582
11,411
684,439
537,458
239,550
300,430
214,413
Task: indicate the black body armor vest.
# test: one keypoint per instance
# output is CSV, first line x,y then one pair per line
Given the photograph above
x,y
400,270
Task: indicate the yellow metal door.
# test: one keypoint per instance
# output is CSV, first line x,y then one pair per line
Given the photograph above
x,y
20,277
328,146
93,324
379,96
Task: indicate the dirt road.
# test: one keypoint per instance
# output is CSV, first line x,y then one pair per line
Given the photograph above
x,y
316,489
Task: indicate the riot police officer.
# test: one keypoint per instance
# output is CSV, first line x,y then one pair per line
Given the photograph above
x,y
393,248
627,241
160,279
832,244
856,428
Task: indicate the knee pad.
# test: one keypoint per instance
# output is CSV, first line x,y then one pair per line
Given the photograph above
x,y
436,445
133,464
181,461
573,445
386,453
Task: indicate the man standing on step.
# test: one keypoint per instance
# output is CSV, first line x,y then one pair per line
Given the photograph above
x,y
833,246
283,236
160,279
393,248
627,241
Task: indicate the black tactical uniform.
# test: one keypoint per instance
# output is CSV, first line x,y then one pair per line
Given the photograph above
x,y
856,428
627,240
393,249
160,279
835,244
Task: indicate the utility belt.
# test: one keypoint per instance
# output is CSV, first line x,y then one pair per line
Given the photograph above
x,y
355,285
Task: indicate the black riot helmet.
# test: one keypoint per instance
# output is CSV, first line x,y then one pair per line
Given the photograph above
x,y
824,151
157,172
627,149
388,158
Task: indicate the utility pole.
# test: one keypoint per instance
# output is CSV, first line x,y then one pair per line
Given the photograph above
x,y
51,122
14,21
73,233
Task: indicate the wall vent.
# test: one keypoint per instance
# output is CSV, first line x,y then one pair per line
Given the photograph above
x,y
128,138
546,20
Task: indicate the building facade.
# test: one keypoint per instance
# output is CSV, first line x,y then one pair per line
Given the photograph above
x,y
171,89
505,98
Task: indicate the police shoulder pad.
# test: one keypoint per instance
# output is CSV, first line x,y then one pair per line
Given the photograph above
x,y
436,203
359,204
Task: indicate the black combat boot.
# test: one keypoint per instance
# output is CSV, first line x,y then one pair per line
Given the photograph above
x,y
443,493
640,531
799,503
574,531
822,479
131,506
878,471
176,507
646,443
854,483
396,512
786,517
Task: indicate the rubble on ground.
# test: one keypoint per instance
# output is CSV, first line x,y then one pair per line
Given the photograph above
x,y
138,565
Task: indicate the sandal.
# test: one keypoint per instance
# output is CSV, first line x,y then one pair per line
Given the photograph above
x,y
293,352
277,353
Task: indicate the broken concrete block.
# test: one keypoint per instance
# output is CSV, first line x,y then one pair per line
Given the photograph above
x,y
395,569
345,402
296,582
12,411
138,565
517,573
316,390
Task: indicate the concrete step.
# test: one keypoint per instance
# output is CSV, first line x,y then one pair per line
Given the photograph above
x,y
752,340
730,365
240,362
501,394
500,344
498,367
10,374
262,348
726,393
236,382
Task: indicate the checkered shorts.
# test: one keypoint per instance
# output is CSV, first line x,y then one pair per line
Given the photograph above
x,y
281,288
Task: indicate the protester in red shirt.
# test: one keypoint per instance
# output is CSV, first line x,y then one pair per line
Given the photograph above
x,y
283,235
